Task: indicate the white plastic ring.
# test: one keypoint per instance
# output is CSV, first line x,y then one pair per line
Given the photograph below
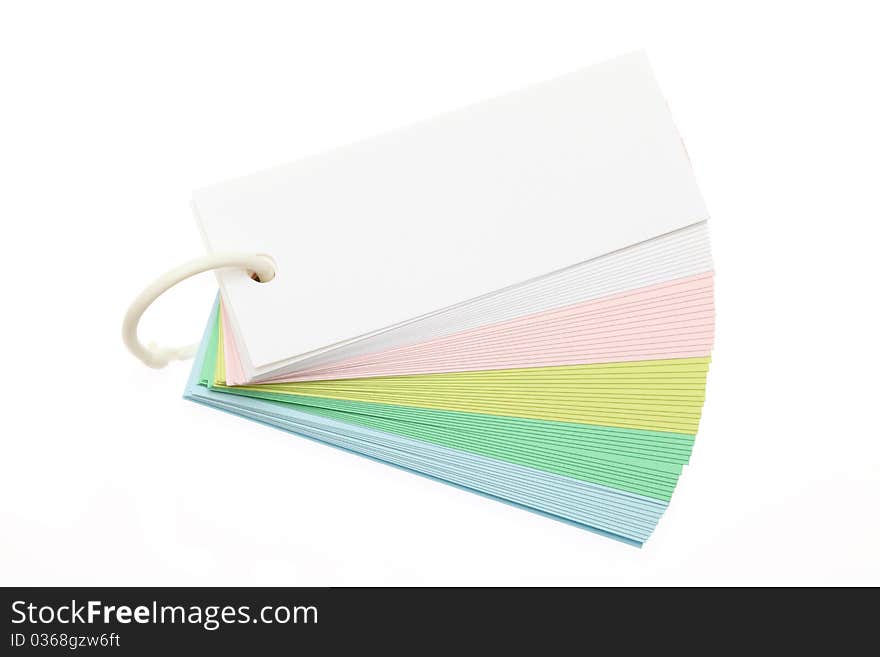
x,y
258,266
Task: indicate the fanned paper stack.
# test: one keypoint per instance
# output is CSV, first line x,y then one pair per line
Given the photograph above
x,y
561,235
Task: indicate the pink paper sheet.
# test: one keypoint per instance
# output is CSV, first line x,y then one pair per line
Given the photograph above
x,y
234,371
675,319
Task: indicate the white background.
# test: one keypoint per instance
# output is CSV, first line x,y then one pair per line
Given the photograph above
x,y
111,113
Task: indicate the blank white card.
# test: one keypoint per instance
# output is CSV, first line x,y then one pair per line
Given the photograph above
x,y
393,227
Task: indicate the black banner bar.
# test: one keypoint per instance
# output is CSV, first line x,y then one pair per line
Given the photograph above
x,y
150,621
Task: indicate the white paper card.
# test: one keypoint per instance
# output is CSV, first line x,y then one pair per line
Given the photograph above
x,y
400,225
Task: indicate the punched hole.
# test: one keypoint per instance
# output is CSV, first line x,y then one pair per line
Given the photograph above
x,y
256,277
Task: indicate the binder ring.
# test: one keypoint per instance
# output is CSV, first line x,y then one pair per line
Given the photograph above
x,y
260,267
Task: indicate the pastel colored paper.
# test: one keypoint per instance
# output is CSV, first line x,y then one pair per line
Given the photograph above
x,y
664,321
543,335
611,512
600,454
674,256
